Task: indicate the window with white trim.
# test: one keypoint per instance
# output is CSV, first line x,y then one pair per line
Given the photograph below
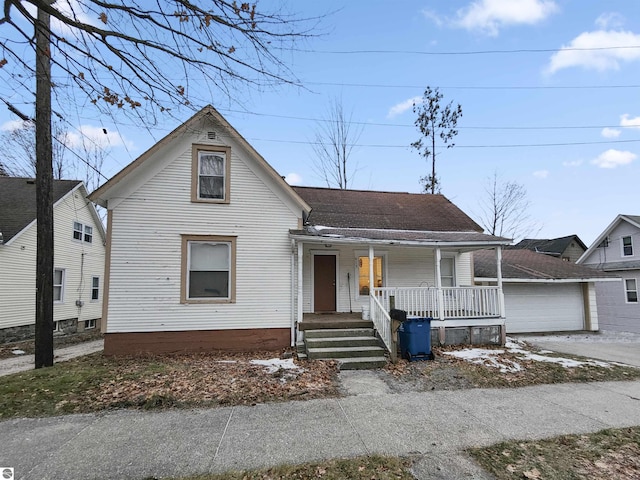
x,y
82,232
208,269
88,324
448,271
363,274
627,246
631,290
58,285
95,289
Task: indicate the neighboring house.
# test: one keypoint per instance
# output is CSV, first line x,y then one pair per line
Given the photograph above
x,y
569,248
79,254
617,250
209,248
542,293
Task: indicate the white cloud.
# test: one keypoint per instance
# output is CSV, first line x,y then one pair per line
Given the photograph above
x,y
293,179
75,10
96,136
432,15
627,121
613,158
610,132
489,16
541,173
572,163
575,55
609,20
403,106
12,125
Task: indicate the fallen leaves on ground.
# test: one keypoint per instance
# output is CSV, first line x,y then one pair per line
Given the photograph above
x,y
205,380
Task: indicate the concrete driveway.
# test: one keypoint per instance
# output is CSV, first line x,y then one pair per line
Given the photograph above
x,y
610,346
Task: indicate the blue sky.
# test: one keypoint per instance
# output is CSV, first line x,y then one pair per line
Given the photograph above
x,y
517,67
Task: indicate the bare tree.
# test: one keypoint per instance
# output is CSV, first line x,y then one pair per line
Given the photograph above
x,y
18,149
138,57
434,121
504,209
335,139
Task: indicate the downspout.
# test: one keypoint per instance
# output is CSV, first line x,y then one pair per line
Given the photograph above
x,y
371,293
503,335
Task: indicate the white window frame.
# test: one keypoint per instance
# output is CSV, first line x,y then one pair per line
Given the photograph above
x,y
89,324
627,290
623,246
84,231
79,231
365,253
88,232
61,285
95,288
454,276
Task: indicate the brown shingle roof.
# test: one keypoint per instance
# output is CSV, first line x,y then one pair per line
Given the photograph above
x,y
384,210
525,264
18,202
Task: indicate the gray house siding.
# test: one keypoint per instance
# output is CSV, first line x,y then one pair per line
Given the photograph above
x,y
615,312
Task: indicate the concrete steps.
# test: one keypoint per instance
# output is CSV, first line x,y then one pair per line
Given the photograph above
x,y
353,347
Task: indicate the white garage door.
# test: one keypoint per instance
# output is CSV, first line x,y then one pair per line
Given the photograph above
x,y
543,308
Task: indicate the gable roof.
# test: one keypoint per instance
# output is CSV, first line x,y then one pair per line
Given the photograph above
x,y
18,202
525,265
553,246
631,219
384,210
101,194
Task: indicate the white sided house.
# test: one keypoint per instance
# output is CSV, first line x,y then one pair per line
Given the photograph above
x,y
210,249
79,253
617,251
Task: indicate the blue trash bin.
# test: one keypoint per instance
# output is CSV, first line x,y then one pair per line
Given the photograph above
x,y
415,339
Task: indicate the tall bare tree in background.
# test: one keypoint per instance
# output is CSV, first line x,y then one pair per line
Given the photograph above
x,y
434,121
139,59
504,209
335,138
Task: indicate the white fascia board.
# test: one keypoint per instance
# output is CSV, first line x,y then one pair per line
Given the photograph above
x,y
599,240
413,243
547,280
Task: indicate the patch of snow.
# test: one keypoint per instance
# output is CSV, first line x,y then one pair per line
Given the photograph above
x,y
226,361
18,352
275,364
492,357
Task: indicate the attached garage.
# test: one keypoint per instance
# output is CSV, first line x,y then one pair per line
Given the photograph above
x,y
540,307
542,293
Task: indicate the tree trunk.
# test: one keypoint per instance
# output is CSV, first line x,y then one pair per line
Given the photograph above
x,y
44,196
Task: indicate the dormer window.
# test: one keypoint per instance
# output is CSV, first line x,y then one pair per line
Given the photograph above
x,y
210,176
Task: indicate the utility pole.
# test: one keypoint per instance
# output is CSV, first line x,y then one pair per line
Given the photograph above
x,y
44,194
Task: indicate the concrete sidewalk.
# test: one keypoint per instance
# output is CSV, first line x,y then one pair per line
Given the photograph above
x,y
23,363
436,426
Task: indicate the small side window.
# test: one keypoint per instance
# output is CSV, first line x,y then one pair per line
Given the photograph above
x,y
58,285
95,288
77,231
88,234
627,246
631,290
210,174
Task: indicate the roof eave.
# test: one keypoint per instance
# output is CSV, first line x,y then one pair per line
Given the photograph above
x,y
419,243
548,280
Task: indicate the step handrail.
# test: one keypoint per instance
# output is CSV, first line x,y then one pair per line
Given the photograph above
x,y
382,323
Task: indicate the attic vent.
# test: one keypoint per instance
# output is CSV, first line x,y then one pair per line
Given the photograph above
x,y
211,135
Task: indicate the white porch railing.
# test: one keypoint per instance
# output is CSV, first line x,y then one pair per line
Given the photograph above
x,y
457,302
382,323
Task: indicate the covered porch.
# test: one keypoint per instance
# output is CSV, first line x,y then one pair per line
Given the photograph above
x,y
430,277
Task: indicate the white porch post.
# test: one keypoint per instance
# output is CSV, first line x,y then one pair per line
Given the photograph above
x,y
371,257
499,278
439,285
300,300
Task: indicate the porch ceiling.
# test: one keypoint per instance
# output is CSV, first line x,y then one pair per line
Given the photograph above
x,y
459,240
